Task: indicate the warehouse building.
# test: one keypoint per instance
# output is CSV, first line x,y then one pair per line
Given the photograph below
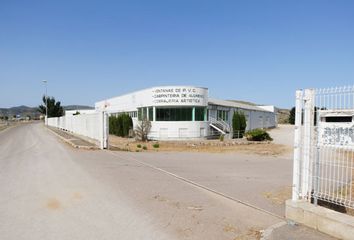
x,y
185,112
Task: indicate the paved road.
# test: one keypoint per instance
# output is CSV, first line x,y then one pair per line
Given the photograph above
x,y
50,191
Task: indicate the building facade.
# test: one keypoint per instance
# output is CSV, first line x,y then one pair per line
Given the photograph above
x,y
185,112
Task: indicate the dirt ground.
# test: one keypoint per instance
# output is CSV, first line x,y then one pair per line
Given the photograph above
x,y
209,146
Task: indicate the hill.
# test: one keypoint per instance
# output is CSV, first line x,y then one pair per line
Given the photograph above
x,y
24,111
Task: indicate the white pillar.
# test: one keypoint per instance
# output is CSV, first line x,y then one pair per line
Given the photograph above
x,y
104,126
306,168
297,146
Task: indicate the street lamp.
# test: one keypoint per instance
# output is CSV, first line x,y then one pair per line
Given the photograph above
x,y
46,101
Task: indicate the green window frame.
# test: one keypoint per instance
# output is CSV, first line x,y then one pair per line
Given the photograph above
x,y
199,114
174,114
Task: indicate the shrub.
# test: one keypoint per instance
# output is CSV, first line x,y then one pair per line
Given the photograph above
x,y
156,145
138,146
292,116
145,147
221,138
258,135
120,125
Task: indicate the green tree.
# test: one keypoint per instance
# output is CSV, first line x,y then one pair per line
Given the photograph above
x,y
54,108
238,124
120,125
292,116
127,123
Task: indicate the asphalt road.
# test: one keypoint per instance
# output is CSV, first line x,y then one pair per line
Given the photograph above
x,y
49,190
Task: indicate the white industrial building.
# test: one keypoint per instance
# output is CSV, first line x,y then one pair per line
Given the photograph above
x,y
185,112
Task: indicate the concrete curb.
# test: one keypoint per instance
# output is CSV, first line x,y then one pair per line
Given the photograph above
x,y
71,143
325,220
266,233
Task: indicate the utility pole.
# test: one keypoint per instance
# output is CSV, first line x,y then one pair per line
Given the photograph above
x,y
46,101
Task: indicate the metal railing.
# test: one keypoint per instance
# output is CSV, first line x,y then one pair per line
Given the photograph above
x,y
324,146
221,124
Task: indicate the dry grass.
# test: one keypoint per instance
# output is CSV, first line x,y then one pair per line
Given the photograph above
x,y
208,146
279,196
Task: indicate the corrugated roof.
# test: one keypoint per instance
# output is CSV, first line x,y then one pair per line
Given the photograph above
x,y
226,103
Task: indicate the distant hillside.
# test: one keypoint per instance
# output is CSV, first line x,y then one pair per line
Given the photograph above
x,y
20,110
24,111
283,115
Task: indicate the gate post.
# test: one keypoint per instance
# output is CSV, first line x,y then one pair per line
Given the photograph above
x,y
297,146
104,130
306,168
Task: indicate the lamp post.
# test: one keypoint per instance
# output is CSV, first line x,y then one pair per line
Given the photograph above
x,y
46,101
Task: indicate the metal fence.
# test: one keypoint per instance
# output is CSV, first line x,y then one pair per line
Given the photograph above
x,y
93,126
324,146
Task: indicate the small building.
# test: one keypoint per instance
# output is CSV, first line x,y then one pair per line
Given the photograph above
x,y
185,112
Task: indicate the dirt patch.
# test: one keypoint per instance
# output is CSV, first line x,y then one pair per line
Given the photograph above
x,y
53,204
77,196
251,234
279,196
230,229
209,146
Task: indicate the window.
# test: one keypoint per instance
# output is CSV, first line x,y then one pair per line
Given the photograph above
x,y
151,114
174,114
142,113
199,114
223,115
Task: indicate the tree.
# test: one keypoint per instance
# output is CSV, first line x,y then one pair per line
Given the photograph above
x,y
142,130
127,123
120,125
292,116
54,108
238,124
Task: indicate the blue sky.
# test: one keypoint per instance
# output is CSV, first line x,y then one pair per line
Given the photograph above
x,y
260,51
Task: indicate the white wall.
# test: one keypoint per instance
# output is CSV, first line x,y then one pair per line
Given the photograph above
x,y
87,125
178,130
255,119
157,96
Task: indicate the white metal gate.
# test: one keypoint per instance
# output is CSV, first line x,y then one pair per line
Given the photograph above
x,y
324,146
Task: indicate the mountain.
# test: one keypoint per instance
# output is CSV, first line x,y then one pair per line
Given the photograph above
x,y
20,110
24,111
283,115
